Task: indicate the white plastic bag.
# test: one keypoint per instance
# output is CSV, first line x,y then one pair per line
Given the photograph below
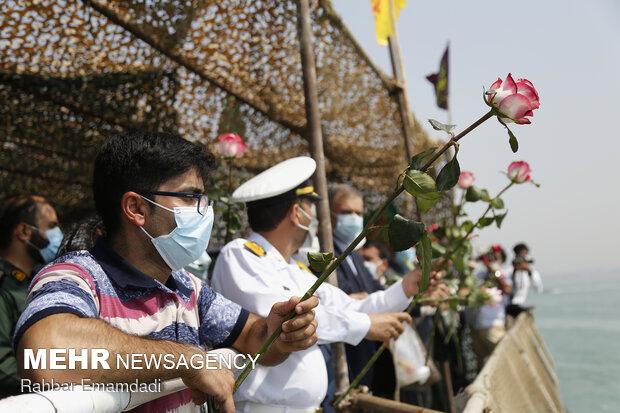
x,y
409,358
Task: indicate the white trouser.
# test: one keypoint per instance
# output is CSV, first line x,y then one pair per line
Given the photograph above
x,y
251,407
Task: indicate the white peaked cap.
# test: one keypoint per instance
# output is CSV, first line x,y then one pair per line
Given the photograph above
x,y
280,178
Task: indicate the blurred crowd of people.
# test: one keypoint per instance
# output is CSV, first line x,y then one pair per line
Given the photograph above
x,y
245,279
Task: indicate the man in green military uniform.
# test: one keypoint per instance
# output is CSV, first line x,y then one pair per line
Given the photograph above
x,y
29,238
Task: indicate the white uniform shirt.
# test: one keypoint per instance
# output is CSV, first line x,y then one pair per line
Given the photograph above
x,y
490,315
523,281
256,283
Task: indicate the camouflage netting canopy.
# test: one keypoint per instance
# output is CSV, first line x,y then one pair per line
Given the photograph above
x,y
74,72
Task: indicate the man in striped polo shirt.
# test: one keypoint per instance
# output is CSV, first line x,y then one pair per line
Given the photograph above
x,y
130,294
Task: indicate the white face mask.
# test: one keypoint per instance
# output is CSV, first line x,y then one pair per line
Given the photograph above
x,y
188,241
311,242
313,226
372,268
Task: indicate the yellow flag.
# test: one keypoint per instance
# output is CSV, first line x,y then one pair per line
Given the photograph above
x,y
385,18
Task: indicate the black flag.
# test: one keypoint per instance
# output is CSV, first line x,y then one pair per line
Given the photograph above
x,y
440,81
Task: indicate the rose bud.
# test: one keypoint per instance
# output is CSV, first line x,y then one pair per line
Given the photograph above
x,y
519,172
231,145
515,100
466,179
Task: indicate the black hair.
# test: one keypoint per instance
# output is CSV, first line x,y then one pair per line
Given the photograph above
x,y
266,214
519,248
383,251
82,235
142,161
15,210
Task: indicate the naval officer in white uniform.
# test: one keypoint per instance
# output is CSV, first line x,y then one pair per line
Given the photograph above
x,y
258,271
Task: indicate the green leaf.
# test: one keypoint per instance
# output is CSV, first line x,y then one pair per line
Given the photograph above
x,y
417,182
424,253
497,203
441,126
477,298
438,250
455,232
514,144
499,219
485,222
404,233
472,194
467,225
449,174
234,223
458,260
427,201
484,195
320,260
418,160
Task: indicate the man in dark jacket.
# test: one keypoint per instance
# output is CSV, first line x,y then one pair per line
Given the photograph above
x,y
347,208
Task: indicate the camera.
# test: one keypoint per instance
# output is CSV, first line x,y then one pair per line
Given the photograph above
x,y
522,260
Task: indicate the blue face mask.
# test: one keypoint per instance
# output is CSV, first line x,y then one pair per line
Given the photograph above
x,y
348,227
188,241
55,237
405,258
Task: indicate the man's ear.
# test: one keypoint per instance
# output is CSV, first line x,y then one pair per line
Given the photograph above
x,y
293,213
134,208
385,264
23,232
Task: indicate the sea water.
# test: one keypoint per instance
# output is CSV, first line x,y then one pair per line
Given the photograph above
x,y
579,319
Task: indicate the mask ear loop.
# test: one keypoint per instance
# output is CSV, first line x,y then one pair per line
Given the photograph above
x,y
159,205
304,227
35,228
40,234
147,234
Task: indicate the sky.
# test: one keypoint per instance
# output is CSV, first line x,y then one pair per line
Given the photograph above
x,y
570,50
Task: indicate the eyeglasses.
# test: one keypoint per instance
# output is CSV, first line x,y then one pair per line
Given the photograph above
x,y
202,199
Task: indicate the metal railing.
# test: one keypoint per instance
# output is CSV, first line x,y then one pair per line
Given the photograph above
x,y
518,377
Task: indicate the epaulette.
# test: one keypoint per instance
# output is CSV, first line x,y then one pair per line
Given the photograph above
x,y
255,249
18,275
303,266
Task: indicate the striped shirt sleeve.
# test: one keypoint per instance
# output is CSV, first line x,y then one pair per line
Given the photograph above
x,y
221,320
59,288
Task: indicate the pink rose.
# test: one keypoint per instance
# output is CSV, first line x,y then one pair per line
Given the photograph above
x,y
515,100
519,172
432,228
466,179
231,145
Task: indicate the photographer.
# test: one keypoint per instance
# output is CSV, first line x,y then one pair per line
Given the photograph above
x,y
488,322
524,277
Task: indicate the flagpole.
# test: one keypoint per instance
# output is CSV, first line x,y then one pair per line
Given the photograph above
x,y
449,95
398,71
406,116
